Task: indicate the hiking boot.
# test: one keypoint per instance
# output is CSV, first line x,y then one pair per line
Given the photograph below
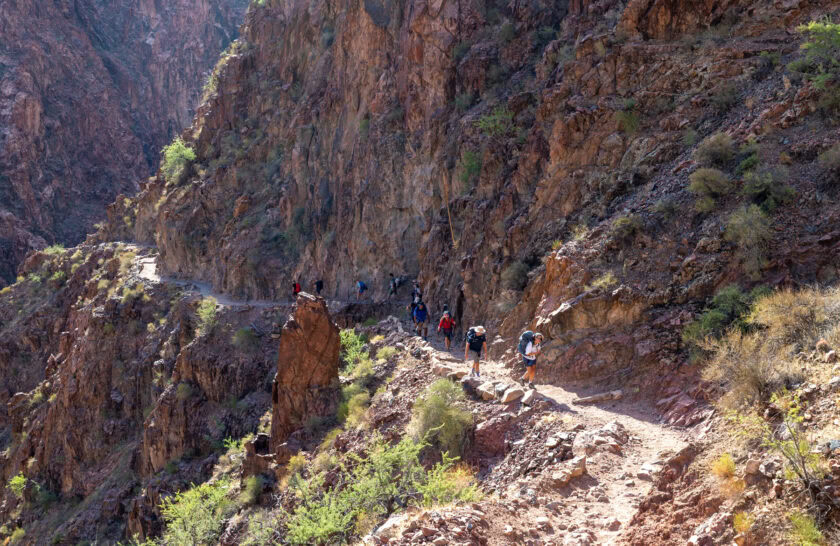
x,y
530,385
478,374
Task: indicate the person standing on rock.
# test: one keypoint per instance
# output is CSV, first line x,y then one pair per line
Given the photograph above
x,y
392,287
295,289
529,358
475,346
362,289
447,325
421,318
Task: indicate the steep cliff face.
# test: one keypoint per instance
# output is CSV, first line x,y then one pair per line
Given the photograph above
x,y
515,158
89,93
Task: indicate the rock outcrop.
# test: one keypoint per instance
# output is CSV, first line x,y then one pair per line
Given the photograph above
x,y
89,93
306,384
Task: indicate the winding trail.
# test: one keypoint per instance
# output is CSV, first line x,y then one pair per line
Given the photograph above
x,y
612,490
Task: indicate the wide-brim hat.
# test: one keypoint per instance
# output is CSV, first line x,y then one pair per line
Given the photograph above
x,y
479,330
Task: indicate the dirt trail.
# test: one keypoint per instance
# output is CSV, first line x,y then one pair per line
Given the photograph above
x,y
612,490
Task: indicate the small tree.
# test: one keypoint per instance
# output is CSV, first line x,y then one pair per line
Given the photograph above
x,y
708,185
177,157
498,123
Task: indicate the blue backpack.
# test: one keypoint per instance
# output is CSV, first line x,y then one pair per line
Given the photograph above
x,y
526,338
362,285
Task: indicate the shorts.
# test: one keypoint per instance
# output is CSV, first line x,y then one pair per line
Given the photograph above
x,y
476,355
447,333
421,322
528,363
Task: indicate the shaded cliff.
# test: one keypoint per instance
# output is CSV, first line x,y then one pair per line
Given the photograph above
x,y
89,93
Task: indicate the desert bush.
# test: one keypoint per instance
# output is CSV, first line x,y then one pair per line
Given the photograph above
x,y
515,276
352,345
603,282
708,185
830,162
206,315
729,308
507,32
17,485
263,528
244,339
251,490
353,407
716,150
460,51
625,227
379,484
437,418
766,188
197,515
749,228
470,166
17,535
819,63
747,164
724,466
177,158
498,123
184,391
666,207
725,97
742,522
464,101
689,137
53,250
385,353
444,485
804,530
628,118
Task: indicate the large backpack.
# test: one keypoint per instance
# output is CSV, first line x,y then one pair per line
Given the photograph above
x,y
526,338
362,285
475,341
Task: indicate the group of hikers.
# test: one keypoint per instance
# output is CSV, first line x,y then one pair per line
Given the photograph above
x,y
530,343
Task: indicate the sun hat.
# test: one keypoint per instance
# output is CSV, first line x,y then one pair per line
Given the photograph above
x,y
479,330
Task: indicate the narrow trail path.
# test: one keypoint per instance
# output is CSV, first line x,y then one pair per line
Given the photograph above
x,y
613,488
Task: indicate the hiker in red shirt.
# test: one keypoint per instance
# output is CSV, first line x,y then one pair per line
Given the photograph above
x,y
447,325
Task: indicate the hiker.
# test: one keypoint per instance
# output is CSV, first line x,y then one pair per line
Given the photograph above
x,y
447,325
416,297
529,347
319,285
295,289
416,292
362,289
392,287
476,344
421,316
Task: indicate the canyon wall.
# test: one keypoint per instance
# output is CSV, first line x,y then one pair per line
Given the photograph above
x,y
89,93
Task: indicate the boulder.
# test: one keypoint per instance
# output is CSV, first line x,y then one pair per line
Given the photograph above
x,y
530,397
512,394
487,390
306,383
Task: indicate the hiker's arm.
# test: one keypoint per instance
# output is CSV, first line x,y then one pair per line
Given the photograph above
x,y
466,350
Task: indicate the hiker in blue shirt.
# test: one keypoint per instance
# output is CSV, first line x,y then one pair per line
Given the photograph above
x,y
421,319
362,287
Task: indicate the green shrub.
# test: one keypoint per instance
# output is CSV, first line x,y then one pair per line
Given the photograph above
x,y
184,391
464,101
765,188
603,282
17,485
707,185
830,162
351,349
177,157
498,123
385,353
206,315
749,228
437,418
52,250
445,485
389,478
819,63
716,150
747,164
725,97
251,490
628,117
470,166
245,339
689,137
515,276
804,530
507,32
197,515
666,207
460,51
262,529
625,227
728,309
17,535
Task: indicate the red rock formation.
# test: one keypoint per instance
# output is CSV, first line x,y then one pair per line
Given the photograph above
x,y
307,368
